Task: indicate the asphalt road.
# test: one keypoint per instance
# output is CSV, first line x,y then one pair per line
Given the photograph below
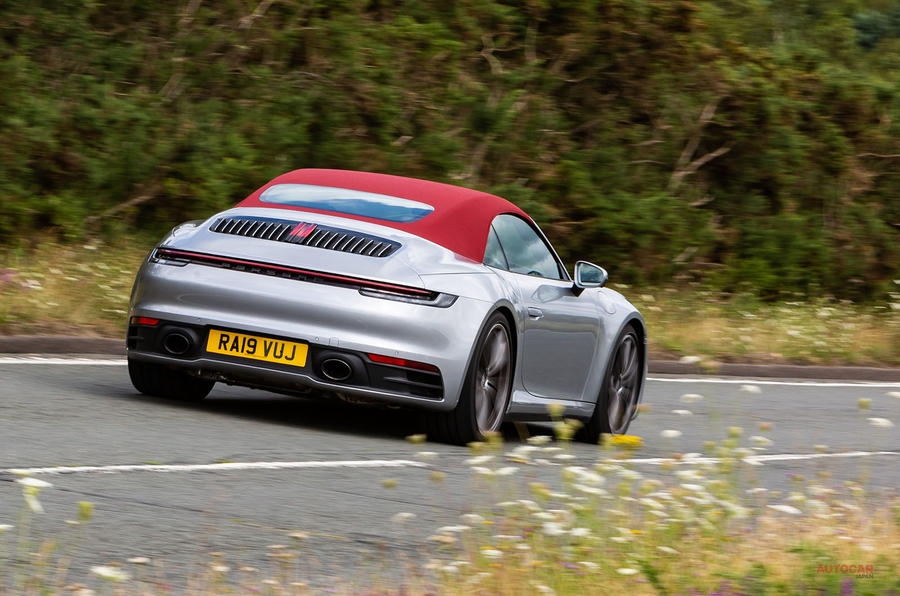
x,y
245,470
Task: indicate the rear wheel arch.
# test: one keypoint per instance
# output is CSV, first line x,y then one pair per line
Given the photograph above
x,y
461,425
513,326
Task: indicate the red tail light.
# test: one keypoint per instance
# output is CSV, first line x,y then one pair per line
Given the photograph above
x,y
402,362
146,321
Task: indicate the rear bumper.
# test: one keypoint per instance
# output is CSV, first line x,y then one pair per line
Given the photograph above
x,y
182,346
335,322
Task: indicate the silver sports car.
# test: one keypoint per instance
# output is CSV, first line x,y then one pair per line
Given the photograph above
x,y
387,289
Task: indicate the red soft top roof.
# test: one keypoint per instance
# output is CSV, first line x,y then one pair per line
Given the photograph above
x,y
460,221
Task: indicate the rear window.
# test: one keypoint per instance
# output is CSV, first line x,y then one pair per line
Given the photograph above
x,y
350,202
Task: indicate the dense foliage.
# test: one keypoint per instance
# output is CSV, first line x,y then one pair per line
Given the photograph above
x,y
751,144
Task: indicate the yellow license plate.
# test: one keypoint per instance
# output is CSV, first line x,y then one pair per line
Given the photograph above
x,y
257,348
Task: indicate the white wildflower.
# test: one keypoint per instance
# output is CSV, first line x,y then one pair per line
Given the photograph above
x,y
653,504
472,518
507,538
894,394
881,422
590,490
453,529
682,412
753,389
691,398
478,460
111,573
539,440
667,549
790,509
761,441
670,433
31,482
32,501
521,453
631,474
403,516
552,528
626,571
818,490
689,475
492,553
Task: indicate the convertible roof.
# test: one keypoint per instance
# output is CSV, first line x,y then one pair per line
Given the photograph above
x,y
460,221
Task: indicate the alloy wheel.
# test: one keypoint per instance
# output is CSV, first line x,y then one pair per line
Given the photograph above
x,y
622,391
492,379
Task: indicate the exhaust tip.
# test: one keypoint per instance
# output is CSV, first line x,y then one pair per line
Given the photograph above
x,y
336,369
177,343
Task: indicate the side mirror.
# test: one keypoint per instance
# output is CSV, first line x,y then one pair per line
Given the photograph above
x,y
588,275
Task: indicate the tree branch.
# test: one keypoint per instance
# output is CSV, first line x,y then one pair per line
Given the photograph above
x,y
260,10
132,202
686,164
695,165
881,155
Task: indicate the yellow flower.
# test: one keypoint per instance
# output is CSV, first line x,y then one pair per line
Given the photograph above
x,y
556,409
625,441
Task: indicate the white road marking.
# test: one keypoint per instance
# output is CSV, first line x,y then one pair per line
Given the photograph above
x,y
405,463
754,459
874,384
263,465
24,359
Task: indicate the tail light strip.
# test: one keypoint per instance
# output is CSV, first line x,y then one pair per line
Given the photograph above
x,y
367,287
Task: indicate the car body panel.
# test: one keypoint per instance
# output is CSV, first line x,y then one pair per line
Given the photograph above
x,y
425,302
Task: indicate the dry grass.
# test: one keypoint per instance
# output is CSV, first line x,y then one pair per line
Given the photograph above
x,y
84,289
741,328
66,289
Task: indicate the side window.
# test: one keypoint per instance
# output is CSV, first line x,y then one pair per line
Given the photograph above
x,y
525,251
493,253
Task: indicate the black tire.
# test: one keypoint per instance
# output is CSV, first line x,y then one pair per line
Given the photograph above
x,y
161,381
619,392
486,389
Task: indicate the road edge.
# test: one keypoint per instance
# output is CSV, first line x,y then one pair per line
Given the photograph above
x,y
85,346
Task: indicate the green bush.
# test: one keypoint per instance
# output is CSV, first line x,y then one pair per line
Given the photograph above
x,y
740,144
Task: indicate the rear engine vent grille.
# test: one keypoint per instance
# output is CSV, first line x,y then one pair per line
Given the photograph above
x,y
306,234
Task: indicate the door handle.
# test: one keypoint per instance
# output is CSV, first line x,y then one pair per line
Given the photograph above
x,y
535,313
